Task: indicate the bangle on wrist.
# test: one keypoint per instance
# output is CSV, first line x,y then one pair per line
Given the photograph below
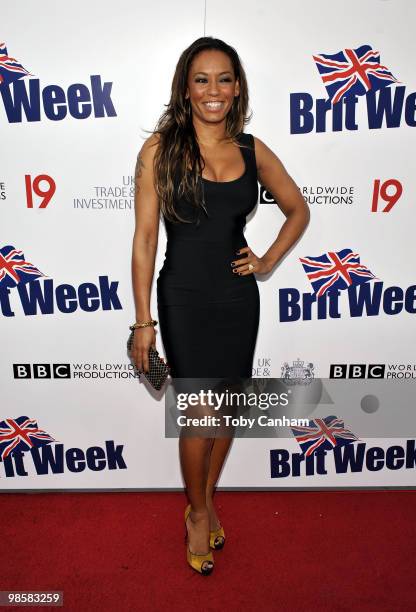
x,y
137,325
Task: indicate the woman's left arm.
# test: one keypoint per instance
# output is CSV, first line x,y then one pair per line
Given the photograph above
x,y
274,177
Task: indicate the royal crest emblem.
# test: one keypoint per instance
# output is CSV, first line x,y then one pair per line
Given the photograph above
x,y
298,373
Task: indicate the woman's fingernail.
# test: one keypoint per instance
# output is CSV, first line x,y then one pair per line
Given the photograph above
x,y
232,264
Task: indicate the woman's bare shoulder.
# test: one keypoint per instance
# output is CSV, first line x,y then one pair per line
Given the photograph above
x,y
265,156
261,147
150,145
146,157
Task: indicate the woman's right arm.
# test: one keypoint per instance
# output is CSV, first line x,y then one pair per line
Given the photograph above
x,y
145,239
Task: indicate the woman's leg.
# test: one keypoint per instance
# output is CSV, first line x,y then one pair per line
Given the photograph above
x,y
218,455
224,436
194,457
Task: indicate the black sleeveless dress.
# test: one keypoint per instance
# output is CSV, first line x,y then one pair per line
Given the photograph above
x,y
209,315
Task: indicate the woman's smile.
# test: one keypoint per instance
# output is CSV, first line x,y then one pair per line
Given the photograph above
x,y
213,106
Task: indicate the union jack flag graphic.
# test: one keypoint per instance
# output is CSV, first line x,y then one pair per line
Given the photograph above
x,y
14,268
21,434
353,72
10,69
323,434
335,270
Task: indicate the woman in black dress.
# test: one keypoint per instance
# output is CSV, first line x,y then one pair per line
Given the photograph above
x,y
200,172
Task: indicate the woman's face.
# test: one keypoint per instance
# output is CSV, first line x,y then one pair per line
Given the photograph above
x,y
212,86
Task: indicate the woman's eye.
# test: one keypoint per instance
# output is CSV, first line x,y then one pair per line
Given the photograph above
x,y
200,79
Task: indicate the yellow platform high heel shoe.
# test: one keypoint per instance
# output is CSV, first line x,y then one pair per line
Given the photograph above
x,y
195,560
217,539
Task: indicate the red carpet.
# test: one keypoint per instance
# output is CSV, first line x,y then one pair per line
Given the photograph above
x,y
285,551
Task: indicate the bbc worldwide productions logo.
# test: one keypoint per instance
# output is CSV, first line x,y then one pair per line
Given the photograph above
x,y
393,371
357,370
41,371
88,371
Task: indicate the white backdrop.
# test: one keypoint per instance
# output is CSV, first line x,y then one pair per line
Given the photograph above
x,y
85,231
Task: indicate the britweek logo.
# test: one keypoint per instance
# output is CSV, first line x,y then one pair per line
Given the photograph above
x,y
347,76
340,272
329,437
26,98
351,458
43,297
24,445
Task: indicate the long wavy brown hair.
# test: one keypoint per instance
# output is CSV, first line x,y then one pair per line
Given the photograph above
x,y
178,152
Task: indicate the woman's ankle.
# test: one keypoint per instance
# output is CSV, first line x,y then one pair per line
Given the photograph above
x,y
213,518
199,515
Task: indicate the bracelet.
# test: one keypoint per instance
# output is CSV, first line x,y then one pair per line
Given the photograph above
x,y
151,323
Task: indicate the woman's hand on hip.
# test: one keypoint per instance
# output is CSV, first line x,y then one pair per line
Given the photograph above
x,y
249,263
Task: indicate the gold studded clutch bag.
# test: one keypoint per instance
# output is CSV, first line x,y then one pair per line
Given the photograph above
x,y
158,369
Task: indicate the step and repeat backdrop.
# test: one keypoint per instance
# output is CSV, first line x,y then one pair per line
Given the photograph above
x,y
333,94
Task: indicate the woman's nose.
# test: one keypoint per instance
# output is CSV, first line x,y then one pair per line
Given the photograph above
x,y
213,87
